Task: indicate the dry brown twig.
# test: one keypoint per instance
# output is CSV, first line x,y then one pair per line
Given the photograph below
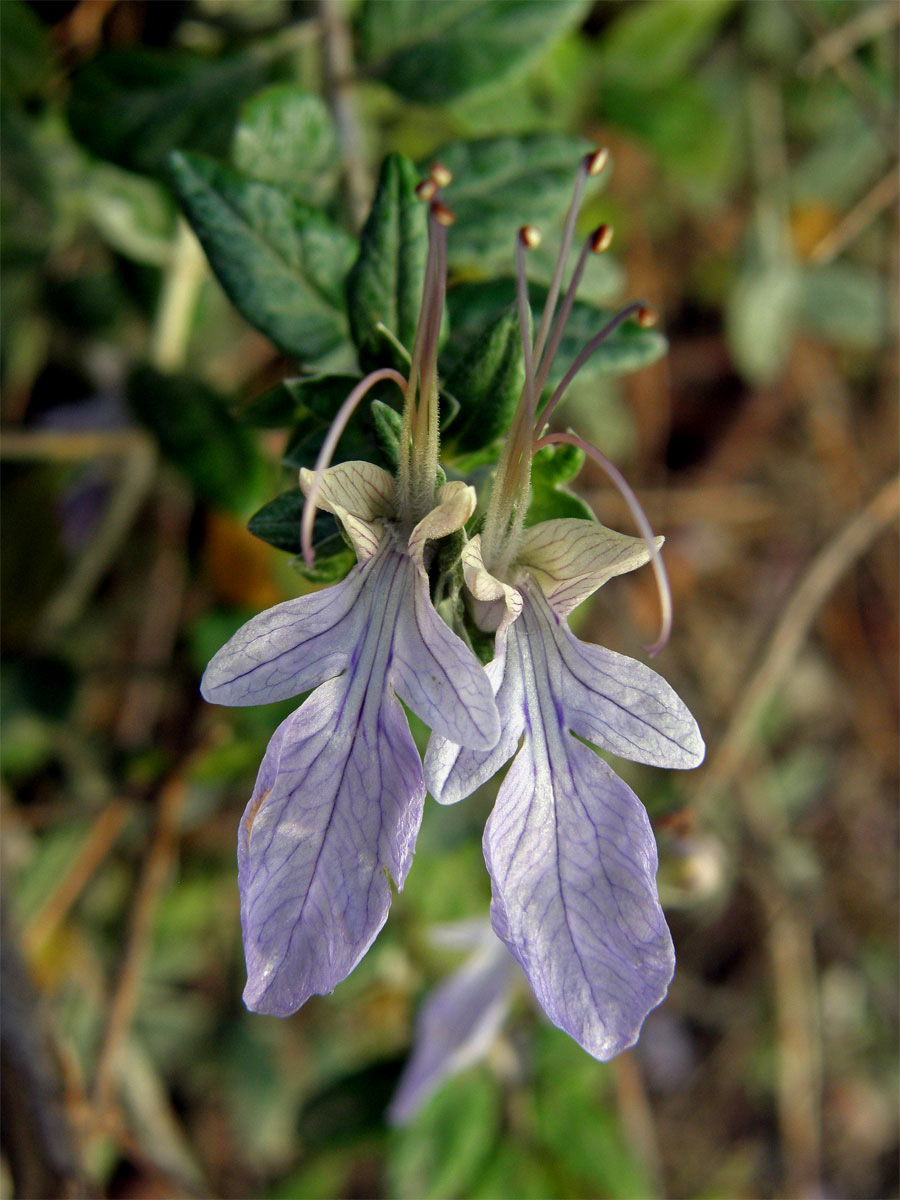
x,y
858,219
150,885
99,841
825,571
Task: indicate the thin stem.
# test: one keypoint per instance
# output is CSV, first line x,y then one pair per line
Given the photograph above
x,y
596,341
634,507
338,425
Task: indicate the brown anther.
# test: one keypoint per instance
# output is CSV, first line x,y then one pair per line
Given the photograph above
x,y
601,239
597,161
530,237
646,317
426,190
442,213
441,175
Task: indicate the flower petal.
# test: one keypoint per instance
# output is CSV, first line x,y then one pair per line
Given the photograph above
x,y
338,799
618,703
573,864
495,603
456,1026
288,649
360,495
438,676
455,504
570,558
452,772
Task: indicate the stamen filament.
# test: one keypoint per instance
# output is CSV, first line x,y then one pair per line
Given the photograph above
x,y
556,281
560,324
596,341
634,507
338,425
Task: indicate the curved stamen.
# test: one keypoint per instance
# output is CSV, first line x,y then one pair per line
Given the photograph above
x,y
634,507
637,309
338,425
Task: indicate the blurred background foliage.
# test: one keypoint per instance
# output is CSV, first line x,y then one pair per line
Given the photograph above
x,y
754,197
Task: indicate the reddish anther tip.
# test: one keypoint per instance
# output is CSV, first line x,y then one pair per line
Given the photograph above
x,y
442,176
597,161
442,213
427,190
530,237
646,317
601,239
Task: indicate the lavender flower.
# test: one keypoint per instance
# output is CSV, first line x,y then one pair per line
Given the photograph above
x,y
568,845
340,790
460,1019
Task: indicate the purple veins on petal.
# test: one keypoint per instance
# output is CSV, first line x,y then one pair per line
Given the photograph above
x,y
290,648
340,791
339,797
568,846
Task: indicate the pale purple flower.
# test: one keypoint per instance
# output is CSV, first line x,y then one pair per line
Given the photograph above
x,y
568,846
338,799
460,1019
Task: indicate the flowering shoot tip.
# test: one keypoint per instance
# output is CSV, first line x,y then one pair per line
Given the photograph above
x,y
426,190
601,239
441,176
530,237
646,317
594,163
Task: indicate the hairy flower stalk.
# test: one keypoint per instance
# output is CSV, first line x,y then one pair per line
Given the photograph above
x,y
568,845
339,795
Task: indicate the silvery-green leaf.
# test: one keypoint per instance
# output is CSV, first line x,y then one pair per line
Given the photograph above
x,y
434,50
281,262
135,104
384,286
286,136
487,383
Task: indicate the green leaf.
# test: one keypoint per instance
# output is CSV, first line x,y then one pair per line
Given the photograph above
x,y
442,1151
281,262
198,434
515,1169
286,136
502,183
845,304
568,1086
487,383
474,306
316,401
278,523
655,43
25,60
384,286
431,51
135,105
388,424
28,205
550,469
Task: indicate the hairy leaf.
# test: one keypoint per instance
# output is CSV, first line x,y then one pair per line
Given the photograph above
x,y
281,262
